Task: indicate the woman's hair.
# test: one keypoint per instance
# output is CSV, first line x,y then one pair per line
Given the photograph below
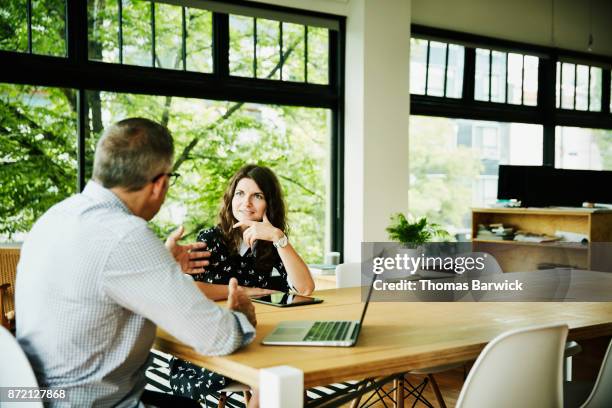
x,y
275,209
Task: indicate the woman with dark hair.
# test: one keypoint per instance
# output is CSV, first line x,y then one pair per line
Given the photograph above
x,y
250,244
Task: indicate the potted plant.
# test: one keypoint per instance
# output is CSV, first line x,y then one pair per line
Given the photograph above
x,y
414,234
411,235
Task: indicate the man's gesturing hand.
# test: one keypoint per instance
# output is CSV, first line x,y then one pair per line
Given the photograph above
x,y
191,257
238,300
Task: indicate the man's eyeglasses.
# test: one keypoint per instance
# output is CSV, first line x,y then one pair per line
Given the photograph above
x,y
172,177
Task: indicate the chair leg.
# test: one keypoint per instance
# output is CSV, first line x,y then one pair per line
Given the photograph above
x,y
357,399
398,383
567,369
222,400
419,392
436,390
3,293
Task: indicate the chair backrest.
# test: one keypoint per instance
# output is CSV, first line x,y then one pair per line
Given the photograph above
x,y
348,275
15,370
519,368
601,396
9,257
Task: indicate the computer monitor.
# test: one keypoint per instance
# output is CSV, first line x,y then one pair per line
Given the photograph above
x,y
540,186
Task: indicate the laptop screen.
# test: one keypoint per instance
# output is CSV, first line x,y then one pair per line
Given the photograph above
x,y
365,307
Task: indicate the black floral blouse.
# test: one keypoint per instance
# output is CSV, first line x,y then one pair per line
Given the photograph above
x,y
189,380
245,268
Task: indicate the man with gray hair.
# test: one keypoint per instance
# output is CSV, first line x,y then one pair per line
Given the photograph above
x,y
93,280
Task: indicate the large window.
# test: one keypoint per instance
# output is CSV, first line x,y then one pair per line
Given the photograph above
x,y
38,147
258,46
34,27
583,149
578,87
506,77
520,104
436,68
150,34
454,164
233,89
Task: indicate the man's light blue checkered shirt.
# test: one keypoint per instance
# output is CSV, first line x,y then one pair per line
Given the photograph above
x,y
92,284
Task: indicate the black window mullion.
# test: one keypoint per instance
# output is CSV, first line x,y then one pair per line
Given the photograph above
x,y
523,81
445,69
153,34
82,125
575,84
506,84
221,45
120,32
67,6
547,69
76,29
280,46
336,80
305,53
490,73
605,92
469,73
560,85
589,90
254,47
333,55
427,67
548,145
184,37
29,22
77,52
336,204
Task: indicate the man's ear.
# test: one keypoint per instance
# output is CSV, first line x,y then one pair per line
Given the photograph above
x,y
158,187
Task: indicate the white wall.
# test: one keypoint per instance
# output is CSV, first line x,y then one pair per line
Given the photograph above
x,y
528,21
385,39
338,7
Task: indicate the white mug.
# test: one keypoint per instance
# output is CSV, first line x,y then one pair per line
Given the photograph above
x,y
332,258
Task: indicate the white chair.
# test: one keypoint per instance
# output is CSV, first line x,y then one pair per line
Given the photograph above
x,y
492,267
601,396
15,370
601,392
519,368
348,275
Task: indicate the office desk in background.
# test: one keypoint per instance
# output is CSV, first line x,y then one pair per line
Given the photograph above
x,y
396,337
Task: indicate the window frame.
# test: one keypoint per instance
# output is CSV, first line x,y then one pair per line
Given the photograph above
x,y
545,112
77,72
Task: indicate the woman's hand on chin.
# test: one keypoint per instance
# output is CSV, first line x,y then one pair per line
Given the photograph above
x,y
255,230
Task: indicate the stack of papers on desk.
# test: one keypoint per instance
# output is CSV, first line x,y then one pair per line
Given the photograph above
x,y
530,237
495,232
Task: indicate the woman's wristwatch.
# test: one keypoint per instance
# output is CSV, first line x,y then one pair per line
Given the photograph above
x,y
282,242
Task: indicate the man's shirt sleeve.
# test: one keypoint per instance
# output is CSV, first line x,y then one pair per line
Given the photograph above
x,y
142,276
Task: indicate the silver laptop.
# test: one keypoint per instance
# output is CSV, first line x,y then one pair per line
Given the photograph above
x,y
333,333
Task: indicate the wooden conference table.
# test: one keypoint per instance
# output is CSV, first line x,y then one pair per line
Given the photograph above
x,y
396,337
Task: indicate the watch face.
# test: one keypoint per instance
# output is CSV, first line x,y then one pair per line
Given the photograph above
x,y
281,243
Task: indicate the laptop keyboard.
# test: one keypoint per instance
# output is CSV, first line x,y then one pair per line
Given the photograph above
x,y
323,331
